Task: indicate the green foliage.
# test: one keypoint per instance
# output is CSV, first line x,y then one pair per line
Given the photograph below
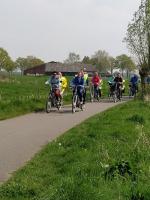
x,y
73,166
137,119
125,63
138,36
28,62
103,60
72,58
5,61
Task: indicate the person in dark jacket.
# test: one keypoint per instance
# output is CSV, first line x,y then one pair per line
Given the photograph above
x,y
119,83
78,82
134,81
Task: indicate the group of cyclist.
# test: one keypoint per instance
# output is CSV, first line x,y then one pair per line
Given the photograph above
x,y
118,84
81,80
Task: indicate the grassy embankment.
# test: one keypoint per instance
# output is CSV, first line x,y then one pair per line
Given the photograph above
x,y
22,94
106,157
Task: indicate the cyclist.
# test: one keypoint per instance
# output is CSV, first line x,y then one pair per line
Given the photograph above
x,y
78,82
54,83
134,82
86,82
96,82
63,83
85,76
119,83
111,79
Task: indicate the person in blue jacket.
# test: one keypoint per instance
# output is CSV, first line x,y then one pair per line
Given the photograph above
x,y
78,82
134,81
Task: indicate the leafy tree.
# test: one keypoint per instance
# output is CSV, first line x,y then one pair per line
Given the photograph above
x,y
4,58
138,38
86,60
10,66
33,61
104,60
125,63
94,61
28,62
21,64
111,64
72,58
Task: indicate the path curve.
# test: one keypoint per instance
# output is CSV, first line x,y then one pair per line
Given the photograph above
x,y
22,137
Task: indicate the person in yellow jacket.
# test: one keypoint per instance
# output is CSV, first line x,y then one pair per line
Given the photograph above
x,y
63,83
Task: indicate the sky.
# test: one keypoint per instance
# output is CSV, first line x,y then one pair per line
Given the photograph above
x,y
50,29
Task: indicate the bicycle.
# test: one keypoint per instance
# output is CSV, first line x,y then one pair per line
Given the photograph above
x,y
54,100
95,92
114,91
76,103
132,90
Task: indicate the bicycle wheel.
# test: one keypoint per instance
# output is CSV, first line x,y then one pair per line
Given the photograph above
x,y
58,103
134,91
130,93
92,94
119,94
48,105
74,103
114,96
98,95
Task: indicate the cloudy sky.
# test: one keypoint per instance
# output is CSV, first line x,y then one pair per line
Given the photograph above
x,y
50,29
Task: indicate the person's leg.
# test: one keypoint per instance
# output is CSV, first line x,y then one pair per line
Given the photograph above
x,y
79,91
119,91
84,95
95,91
99,92
137,88
62,91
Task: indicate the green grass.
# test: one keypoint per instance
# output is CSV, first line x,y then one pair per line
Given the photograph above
x,y
23,94
106,157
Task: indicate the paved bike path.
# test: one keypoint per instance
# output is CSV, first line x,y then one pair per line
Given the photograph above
x,y
22,137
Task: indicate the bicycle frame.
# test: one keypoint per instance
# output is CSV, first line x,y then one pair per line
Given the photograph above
x,y
76,100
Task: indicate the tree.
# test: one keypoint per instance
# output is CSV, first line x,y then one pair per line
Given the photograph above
x,y
111,64
28,62
10,66
86,60
125,63
21,64
138,38
104,60
33,61
4,58
72,58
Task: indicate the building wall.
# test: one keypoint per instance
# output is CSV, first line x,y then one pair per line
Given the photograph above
x,y
35,70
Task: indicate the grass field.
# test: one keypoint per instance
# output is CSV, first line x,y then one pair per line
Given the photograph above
x,y
23,94
106,157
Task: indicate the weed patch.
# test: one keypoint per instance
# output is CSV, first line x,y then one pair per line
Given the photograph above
x,y
137,119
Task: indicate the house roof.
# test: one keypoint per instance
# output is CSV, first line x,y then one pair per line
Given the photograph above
x,y
60,67
56,66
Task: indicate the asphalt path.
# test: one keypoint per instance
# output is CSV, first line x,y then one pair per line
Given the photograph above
x,y
22,137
